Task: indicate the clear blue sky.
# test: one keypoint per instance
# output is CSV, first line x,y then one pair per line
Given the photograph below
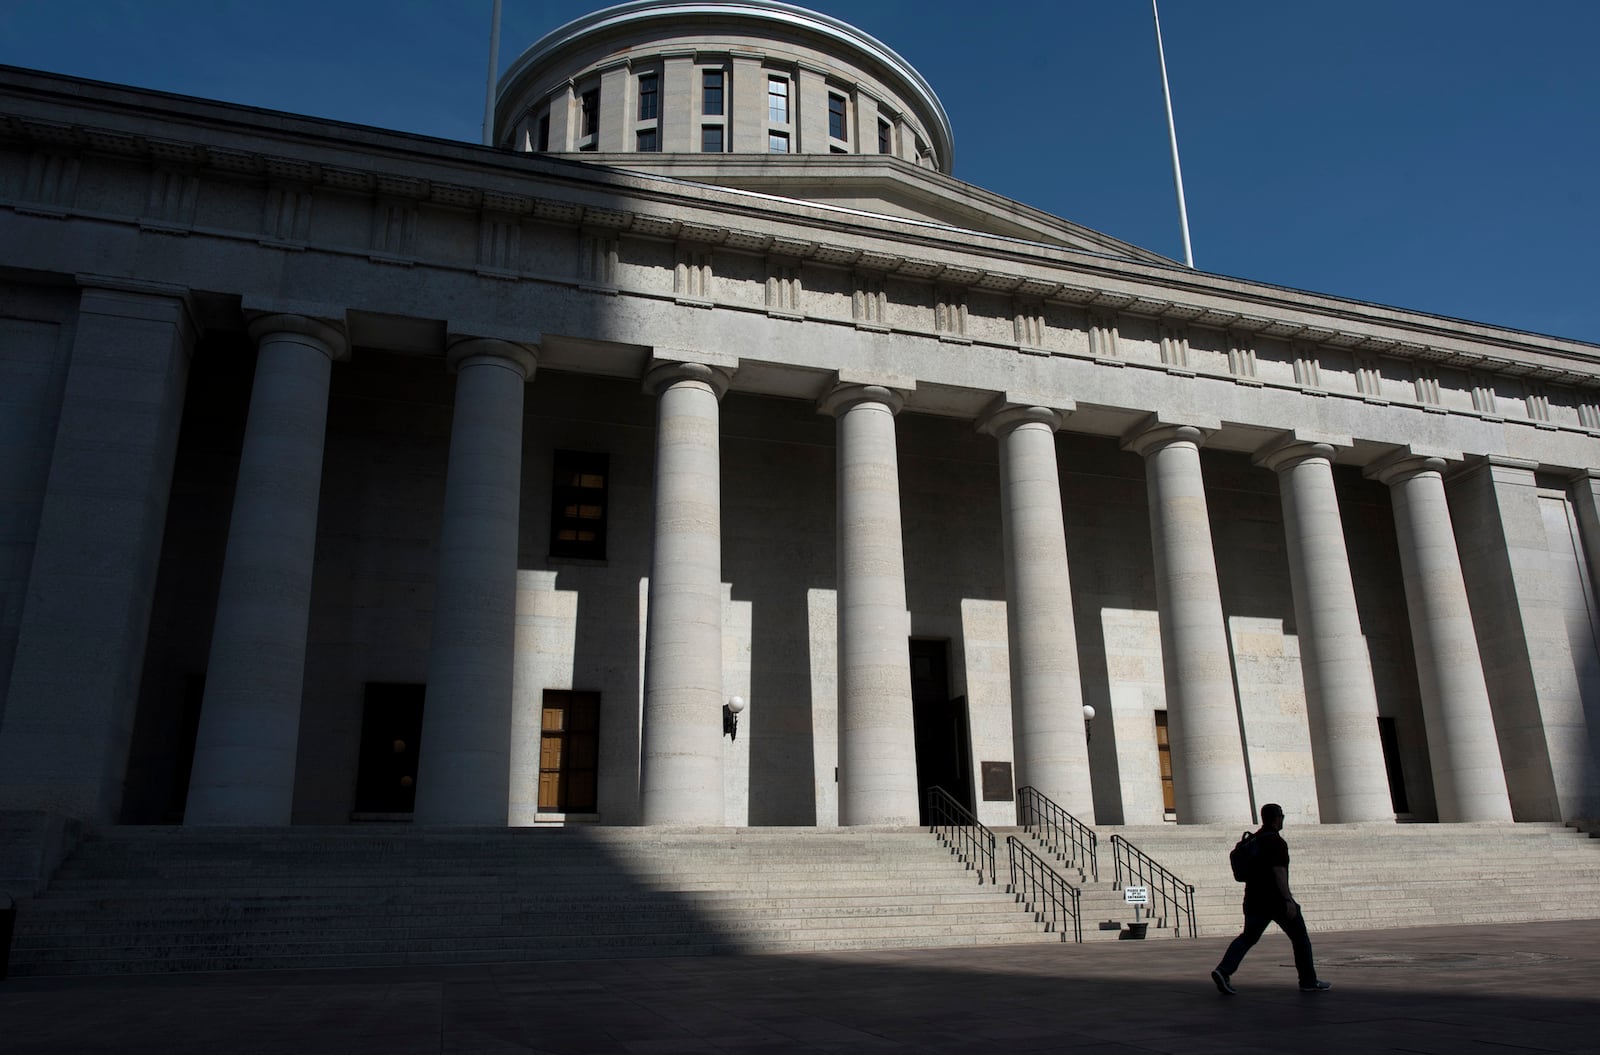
x,y
1440,155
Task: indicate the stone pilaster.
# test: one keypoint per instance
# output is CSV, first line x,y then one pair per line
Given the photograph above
x,y
877,733
463,772
1534,635
680,769
1341,702
1210,785
1468,781
244,756
1048,742
82,631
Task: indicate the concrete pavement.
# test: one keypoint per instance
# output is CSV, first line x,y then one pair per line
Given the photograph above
x,y
1456,990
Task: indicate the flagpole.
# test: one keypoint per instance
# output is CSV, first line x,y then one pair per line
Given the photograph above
x,y
494,68
1172,134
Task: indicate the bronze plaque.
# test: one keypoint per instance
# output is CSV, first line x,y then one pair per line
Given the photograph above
x,y
996,781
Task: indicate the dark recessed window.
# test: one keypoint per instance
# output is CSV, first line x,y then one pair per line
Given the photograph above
x,y
578,505
544,133
778,100
649,97
648,141
885,138
711,92
589,108
777,142
836,125
711,139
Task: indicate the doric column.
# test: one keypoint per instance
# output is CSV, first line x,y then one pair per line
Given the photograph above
x,y
1208,770
83,620
877,734
1468,781
1341,702
1048,742
244,754
463,771
680,770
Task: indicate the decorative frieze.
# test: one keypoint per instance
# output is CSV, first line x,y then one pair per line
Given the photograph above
x,y
286,214
950,312
1102,336
1174,347
691,278
1241,356
597,259
51,183
170,201
783,288
869,302
394,228
1028,323
499,243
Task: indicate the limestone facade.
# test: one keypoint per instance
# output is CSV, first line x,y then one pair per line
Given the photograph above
x,y
338,461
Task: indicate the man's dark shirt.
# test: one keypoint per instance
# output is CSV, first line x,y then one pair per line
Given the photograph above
x,y
1261,889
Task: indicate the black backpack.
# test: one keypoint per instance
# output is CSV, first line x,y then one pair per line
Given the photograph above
x,y
1245,857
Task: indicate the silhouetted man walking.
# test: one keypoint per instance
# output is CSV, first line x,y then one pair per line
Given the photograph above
x,y
1267,900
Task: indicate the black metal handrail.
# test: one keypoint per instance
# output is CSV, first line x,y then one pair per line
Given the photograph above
x,y
958,829
1061,832
1041,888
1134,867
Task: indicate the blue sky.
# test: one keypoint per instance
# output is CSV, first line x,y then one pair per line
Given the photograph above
x,y
1439,155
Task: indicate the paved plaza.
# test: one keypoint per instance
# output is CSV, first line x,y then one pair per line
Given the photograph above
x,y
1455,991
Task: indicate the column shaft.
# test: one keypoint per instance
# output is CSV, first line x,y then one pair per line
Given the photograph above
x,y
877,734
85,615
1341,702
1208,769
680,772
1468,781
244,757
1046,696
463,769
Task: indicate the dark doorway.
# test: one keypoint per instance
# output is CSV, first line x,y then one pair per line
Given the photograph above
x,y
391,726
941,726
569,752
1169,799
1391,761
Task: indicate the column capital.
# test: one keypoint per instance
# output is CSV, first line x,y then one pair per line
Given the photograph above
x,y
843,396
1407,463
326,335
522,358
1295,447
664,373
1003,415
1153,434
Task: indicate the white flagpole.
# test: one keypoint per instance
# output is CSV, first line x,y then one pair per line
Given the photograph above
x,y
494,68
1172,134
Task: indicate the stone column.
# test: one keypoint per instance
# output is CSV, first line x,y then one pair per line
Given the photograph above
x,y
877,733
1341,702
680,768
1046,697
244,754
1468,781
1210,785
83,621
464,765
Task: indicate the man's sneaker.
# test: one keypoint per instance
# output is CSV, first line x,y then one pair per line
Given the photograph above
x,y
1313,987
1224,986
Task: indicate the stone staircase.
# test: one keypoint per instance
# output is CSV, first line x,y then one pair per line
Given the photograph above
x,y
1372,876
176,899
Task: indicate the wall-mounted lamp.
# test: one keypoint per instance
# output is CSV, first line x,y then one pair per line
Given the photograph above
x,y
730,717
1088,716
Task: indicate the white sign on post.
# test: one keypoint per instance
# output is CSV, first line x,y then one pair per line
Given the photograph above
x,y
1136,895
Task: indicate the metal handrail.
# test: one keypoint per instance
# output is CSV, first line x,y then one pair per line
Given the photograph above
x,y
1061,832
957,828
1134,867
1041,888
